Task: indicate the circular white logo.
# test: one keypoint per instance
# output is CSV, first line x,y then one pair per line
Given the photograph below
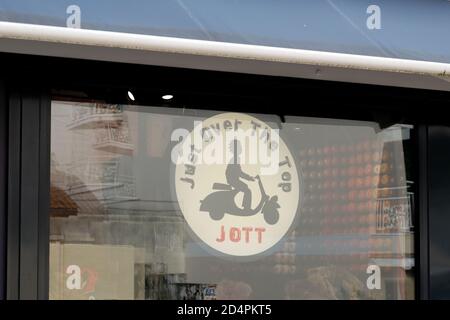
x,y
237,184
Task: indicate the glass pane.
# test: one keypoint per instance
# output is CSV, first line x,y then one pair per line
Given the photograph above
x,y
163,203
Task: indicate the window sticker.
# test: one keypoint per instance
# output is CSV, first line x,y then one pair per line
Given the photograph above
x,y
237,184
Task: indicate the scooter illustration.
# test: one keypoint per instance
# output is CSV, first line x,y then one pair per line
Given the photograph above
x,y
222,202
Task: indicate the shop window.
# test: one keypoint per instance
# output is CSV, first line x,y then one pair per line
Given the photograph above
x,y
164,203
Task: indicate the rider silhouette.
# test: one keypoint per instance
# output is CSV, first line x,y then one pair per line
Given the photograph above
x,y
234,174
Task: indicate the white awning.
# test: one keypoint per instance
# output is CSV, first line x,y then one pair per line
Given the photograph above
x,y
221,56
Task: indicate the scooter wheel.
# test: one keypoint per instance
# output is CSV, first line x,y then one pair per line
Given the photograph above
x,y
216,215
271,217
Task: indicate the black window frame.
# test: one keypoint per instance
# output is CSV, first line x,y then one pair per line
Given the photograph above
x,y
33,81
3,184
28,194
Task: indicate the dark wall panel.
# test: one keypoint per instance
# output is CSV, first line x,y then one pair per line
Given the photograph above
x,y
3,186
27,196
439,211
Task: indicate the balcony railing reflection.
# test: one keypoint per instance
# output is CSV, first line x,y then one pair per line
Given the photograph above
x,y
93,117
124,190
94,170
113,138
394,213
101,177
